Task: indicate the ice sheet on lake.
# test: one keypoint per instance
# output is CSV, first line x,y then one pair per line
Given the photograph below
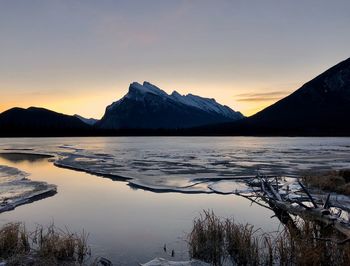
x,y
164,262
16,189
191,165
229,187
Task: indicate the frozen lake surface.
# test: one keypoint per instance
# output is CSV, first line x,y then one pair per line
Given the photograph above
x,y
128,222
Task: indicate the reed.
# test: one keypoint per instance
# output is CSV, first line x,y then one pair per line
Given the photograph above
x,y
335,181
14,239
216,240
241,244
207,238
43,246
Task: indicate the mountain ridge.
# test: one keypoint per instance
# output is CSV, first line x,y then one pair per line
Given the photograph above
x,y
147,106
37,121
89,121
320,107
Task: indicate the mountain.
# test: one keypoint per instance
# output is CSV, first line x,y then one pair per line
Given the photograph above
x,y
40,122
89,121
147,106
320,107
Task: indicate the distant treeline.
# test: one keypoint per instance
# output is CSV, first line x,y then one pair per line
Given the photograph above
x,y
237,129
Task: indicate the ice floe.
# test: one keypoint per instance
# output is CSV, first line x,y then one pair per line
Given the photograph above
x,y
16,189
187,165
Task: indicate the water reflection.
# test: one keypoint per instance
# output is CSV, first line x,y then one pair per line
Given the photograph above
x,y
17,157
129,226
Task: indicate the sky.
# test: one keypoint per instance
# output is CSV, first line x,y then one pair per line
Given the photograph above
x,y
78,56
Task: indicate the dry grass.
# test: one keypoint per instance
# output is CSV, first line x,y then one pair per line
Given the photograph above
x,y
308,246
13,240
335,181
241,243
61,245
43,246
300,245
207,239
212,240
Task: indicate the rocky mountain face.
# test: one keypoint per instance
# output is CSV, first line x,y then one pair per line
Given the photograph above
x,y
319,107
147,106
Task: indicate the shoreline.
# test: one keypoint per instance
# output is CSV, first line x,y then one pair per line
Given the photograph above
x,y
44,190
4,207
93,197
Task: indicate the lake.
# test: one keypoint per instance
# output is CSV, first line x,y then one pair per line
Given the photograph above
x,y
135,194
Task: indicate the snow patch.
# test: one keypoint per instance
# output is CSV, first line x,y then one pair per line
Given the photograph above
x,y
206,104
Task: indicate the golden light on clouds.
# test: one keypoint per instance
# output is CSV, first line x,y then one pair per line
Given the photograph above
x,y
255,102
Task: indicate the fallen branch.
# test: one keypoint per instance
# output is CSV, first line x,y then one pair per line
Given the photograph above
x,y
308,194
281,204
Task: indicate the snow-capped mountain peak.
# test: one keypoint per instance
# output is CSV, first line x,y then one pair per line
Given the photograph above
x,y
139,92
136,89
146,105
154,89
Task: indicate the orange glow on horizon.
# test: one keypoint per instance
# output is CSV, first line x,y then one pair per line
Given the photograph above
x,y
93,101
77,57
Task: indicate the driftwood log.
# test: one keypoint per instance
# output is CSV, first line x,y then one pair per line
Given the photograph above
x,y
306,205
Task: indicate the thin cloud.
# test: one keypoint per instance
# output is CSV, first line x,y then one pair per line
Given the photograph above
x,y
258,99
261,97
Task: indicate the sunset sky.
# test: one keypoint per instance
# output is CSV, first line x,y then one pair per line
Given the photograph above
x,y
79,56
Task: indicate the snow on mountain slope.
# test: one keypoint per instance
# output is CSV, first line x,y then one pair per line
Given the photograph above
x,y
206,104
138,89
139,92
147,106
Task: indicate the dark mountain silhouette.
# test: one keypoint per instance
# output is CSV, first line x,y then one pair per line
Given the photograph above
x,y
89,121
40,122
319,107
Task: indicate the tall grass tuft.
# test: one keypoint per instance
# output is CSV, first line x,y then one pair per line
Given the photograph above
x,y
215,240
61,245
14,239
43,246
241,244
207,239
